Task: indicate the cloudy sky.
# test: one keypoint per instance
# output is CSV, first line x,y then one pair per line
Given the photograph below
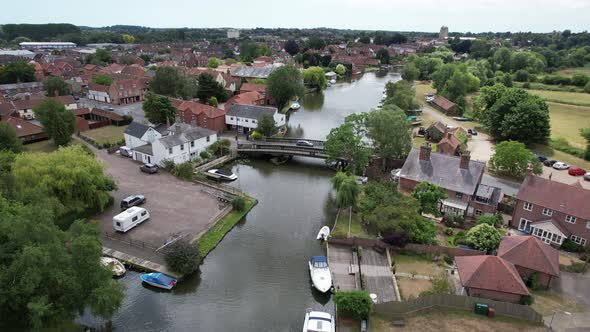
x,y
400,15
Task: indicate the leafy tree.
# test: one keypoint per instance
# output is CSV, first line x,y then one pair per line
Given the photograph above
x,y
314,77
146,58
249,51
220,148
383,56
239,203
158,109
410,72
8,139
103,79
579,79
354,304
58,122
315,42
283,84
402,95
169,82
184,170
55,84
208,88
17,72
489,219
429,195
364,40
483,237
344,142
480,49
347,190
182,257
521,75
390,132
454,82
502,59
213,63
213,101
340,69
266,125
512,159
291,47
129,39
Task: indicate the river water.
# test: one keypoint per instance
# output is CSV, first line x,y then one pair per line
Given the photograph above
x,y
257,278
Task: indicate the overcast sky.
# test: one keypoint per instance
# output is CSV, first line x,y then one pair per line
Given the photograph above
x,y
406,15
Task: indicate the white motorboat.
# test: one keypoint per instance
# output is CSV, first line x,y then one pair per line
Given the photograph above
x,y
324,233
295,106
332,81
321,277
113,265
318,321
223,174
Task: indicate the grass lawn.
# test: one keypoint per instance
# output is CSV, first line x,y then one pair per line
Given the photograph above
x,y
575,70
547,301
416,264
215,234
107,134
356,228
46,146
571,98
411,288
447,319
561,156
567,120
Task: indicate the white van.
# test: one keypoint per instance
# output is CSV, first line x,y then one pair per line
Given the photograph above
x,y
130,218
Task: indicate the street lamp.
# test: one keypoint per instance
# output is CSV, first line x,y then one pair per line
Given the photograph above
x,y
553,316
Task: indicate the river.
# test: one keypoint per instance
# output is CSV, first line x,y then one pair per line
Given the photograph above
x,y
257,278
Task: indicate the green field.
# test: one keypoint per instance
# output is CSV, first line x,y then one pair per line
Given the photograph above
x,y
577,70
566,122
107,134
570,98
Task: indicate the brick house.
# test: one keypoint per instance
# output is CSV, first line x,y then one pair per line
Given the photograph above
x,y
552,211
246,98
452,142
26,131
446,106
529,255
200,115
459,176
124,91
490,277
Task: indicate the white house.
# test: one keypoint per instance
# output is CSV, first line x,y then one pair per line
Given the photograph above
x,y
179,143
246,116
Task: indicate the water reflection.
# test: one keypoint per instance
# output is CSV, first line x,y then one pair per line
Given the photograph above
x,y
313,101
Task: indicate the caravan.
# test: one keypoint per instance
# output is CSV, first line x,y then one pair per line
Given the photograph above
x,y
130,218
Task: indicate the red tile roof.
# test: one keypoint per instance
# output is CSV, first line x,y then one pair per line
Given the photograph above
x,y
198,108
22,127
97,87
443,103
490,273
531,253
247,87
565,198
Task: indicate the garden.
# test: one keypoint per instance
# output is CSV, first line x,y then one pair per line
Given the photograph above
x,y
105,137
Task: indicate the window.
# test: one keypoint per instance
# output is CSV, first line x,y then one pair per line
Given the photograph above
x,y
478,212
181,147
587,224
208,138
134,218
547,212
570,219
528,206
192,144
143,213
459,195
231,118
169,150
118,224
246,120
523,225
579,240
253,121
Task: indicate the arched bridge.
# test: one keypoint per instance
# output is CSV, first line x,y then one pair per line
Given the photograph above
x,y
284,147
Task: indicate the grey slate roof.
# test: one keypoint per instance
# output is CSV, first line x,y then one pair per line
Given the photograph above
x,y
185,136
250,111
257,72
443,170
146,149
136,129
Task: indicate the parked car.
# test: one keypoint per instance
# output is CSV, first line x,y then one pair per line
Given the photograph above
x,y
576,171
133,200
540,158
125,152
560,165
304,143
549,162
587,176
472,132
149,168
421,132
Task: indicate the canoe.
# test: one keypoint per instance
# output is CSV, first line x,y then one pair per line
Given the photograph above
x,y
159,280
116,267
324,233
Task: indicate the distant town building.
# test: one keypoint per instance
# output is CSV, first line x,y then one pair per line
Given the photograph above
x,y
18,53
444,33
233,33
46,45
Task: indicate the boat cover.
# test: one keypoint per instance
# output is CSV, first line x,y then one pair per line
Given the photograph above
x,y
319,261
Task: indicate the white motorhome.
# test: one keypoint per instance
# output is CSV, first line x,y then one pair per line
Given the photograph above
x,y
130,218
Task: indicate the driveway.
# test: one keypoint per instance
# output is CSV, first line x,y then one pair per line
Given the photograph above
x,y
563,177
177,208
135,109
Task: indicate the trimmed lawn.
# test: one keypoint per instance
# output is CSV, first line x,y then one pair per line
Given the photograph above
x,y
447,319
47,146
567,120
107,134
356,228
547,301
416,264
561,156
572,98
411,288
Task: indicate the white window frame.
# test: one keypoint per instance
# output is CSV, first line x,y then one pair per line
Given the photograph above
x,y
527,206
578,240
588,224
571,219
169,150
526,223
547,212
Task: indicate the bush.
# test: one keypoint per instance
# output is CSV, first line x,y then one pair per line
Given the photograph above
x,y
184,171
521,76
488,219
256,135
354,304
575,268
182,257
579,79
168,164
483,237
571,246
449,231
527,300
239,203
526,85
453,220
127,118
448,259
205,155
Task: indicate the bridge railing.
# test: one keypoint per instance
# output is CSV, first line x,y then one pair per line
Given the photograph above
x,y
291,140
279,147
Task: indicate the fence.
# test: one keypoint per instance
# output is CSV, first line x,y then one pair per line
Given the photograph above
x,y
412,247
395,309
129,241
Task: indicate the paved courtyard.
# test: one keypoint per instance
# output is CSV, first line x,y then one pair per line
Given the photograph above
x,y
177,208
135,109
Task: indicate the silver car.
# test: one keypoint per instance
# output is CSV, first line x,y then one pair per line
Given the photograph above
x,y
587,176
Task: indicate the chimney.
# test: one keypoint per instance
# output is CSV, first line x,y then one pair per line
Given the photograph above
x,y
465,158
425,150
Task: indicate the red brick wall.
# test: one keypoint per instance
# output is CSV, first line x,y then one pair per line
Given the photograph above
x,y
493,295
544,279
485,208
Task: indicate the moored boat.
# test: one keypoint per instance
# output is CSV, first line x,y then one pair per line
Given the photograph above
x,y
318,321
113,264
321,277
295,106
324,233
159,280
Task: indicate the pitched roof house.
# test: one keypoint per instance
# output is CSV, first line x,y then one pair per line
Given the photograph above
x,y
490,277
445,105
245,117
25,130
529,255
200,115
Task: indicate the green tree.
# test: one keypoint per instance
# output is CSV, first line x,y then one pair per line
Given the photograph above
x,y
266,125
502,59
390,132
58,122
314,77
103,79
283,84
354,304
340,69
239,203
512,158
410,72
213,101
483,237
429,195
167,81
489,219
402,95
56,86
579,79
129,39
8,139
383,56
208,88
344,142
182,257
315,42
291,47
17,72
158,109
213,62
347,190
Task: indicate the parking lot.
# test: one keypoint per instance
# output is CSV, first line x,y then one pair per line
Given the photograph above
x,y
135,109
563,177
177,208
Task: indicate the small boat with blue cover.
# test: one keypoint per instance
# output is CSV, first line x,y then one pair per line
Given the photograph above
x,y
159,280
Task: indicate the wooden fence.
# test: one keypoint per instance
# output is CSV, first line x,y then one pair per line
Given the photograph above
x,y
396,309
411,247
